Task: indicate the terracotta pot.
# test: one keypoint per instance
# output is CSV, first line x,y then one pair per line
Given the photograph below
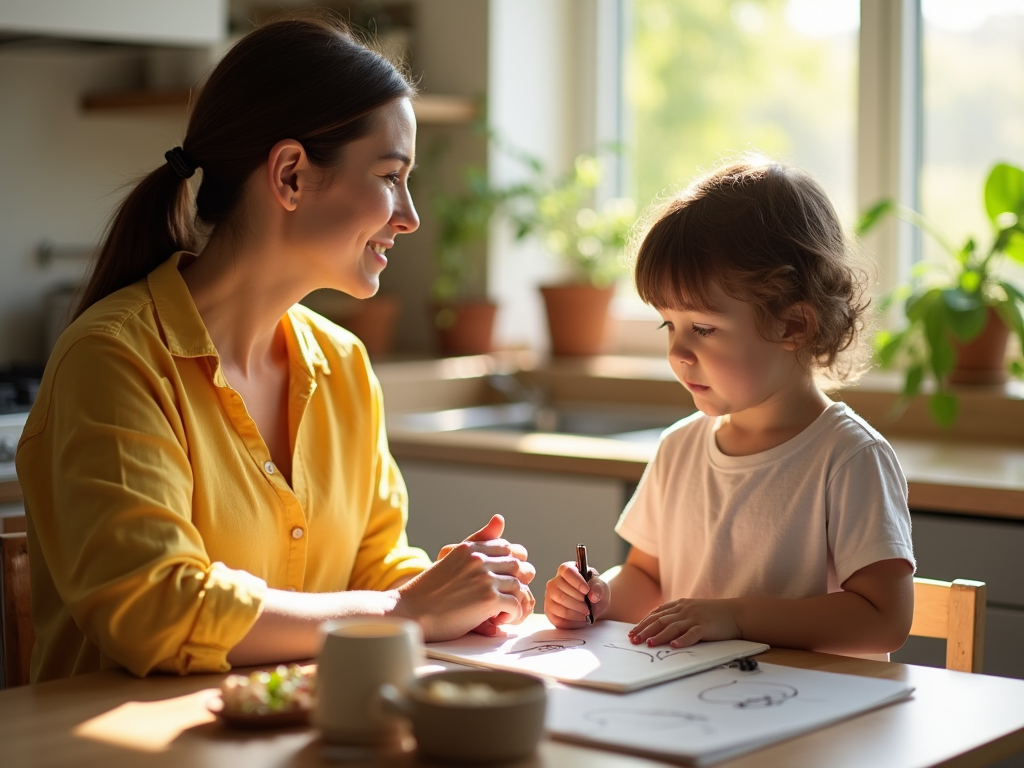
x,y
373,321
464,327
982,360
577,318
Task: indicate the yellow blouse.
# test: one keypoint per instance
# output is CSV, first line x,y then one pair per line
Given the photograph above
x,y
156,520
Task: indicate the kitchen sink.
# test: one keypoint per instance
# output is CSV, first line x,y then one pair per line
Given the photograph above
x,y
617,421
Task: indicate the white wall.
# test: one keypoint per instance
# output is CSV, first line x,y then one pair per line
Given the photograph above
x,y
64,171
541,99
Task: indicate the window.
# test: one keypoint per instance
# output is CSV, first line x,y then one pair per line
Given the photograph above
x,y
973,78
710,80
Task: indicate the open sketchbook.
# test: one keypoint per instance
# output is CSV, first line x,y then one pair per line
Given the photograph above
x,y
600,656
716,715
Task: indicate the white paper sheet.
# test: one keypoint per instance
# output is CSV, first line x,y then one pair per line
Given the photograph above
x,y
717,714
600,656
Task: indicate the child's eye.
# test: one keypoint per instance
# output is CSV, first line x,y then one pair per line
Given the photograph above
x,y
700,330
665,324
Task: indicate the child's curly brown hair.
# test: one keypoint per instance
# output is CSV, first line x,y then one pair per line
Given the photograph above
x,y
766,234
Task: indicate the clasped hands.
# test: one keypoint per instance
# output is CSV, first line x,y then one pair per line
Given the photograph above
x,y
475,585
678,623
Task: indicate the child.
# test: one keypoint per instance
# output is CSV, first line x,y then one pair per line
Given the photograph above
x,y
773,514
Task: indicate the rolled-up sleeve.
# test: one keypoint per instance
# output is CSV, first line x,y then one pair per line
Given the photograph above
x,y
110,497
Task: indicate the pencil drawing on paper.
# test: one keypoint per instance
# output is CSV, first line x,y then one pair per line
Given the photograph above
x,y
749,695
541,643
628,720
659,655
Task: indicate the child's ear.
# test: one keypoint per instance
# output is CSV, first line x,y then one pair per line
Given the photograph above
x,y
799,323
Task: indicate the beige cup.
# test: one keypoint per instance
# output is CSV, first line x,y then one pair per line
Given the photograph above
x,y
451,729
358,657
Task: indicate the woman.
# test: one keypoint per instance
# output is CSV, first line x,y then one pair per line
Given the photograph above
x,y
206,471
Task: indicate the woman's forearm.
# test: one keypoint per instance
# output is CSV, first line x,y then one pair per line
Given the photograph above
x,y
288,629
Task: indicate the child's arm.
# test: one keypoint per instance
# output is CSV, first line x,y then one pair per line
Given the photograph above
x,y
872,614
635,585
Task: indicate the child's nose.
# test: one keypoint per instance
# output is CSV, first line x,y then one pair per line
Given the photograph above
x,y
682,353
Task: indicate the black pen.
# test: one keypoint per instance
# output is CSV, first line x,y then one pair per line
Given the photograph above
x,y
581,566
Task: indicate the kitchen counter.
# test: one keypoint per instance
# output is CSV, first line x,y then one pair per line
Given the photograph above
x,y
975,468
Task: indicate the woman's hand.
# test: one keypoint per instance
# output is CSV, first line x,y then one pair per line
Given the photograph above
x,y
491,533
563,597
684,622
474,582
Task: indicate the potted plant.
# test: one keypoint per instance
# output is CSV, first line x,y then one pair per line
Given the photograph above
x,y
463,320
960,309
589,243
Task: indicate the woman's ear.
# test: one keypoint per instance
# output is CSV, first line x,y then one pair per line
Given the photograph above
x,y
799,323
288,170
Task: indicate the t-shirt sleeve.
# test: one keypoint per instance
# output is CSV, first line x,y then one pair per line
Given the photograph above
x,y
639,523
868,518
108,483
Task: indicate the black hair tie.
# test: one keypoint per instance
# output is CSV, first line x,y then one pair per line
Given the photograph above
x,y
179,163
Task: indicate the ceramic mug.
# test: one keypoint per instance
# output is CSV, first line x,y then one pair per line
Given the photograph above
x,y
358,657
506,724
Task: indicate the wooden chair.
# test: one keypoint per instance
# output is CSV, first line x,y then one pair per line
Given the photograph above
x,y
955,611
18,634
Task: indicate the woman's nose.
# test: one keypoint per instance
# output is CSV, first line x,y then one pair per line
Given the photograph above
x,y
404,218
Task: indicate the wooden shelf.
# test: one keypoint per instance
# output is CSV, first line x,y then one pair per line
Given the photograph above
x,y
430,109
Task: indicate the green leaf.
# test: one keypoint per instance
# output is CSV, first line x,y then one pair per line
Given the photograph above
x,y
870,218
1014,247
1004,191
943,407
912,384
970,281
920,304
1017,369
965,313
936,331
887,344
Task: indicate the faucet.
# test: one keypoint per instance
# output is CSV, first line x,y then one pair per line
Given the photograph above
x,y
545,418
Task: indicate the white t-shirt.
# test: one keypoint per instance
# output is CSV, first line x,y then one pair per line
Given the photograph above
x,y
794,521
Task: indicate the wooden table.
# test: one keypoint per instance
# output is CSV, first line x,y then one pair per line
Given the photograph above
x,y
111,719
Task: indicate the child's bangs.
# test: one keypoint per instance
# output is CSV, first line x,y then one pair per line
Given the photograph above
x,y
672,272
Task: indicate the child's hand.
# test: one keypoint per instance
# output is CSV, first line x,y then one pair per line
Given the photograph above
x,y
563,598
684,622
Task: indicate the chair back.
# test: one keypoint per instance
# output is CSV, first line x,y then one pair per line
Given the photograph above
x,y
18,634
955,611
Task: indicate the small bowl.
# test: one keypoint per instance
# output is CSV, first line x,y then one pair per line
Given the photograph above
x,y
457,731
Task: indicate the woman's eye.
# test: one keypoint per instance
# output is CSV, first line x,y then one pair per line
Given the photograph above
x,y
700,330
394,179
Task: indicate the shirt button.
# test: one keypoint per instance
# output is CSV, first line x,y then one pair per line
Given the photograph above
x,y
297,532
269,467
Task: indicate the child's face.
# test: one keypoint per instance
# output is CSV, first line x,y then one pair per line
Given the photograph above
x,y
725,363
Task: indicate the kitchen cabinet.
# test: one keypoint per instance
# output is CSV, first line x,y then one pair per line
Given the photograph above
x,y
547,513
151,22
951,547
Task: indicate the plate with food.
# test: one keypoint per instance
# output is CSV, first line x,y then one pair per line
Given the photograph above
x,y
274,698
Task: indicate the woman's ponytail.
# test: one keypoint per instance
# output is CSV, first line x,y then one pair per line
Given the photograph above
x,y
154,221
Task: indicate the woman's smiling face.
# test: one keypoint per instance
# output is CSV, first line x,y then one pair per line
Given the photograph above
x,y
344,229
720,357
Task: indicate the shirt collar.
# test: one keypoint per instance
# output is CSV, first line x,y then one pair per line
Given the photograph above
x,y
176,313
186,333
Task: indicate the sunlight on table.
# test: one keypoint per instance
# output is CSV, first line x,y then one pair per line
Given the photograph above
x,y
149,726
